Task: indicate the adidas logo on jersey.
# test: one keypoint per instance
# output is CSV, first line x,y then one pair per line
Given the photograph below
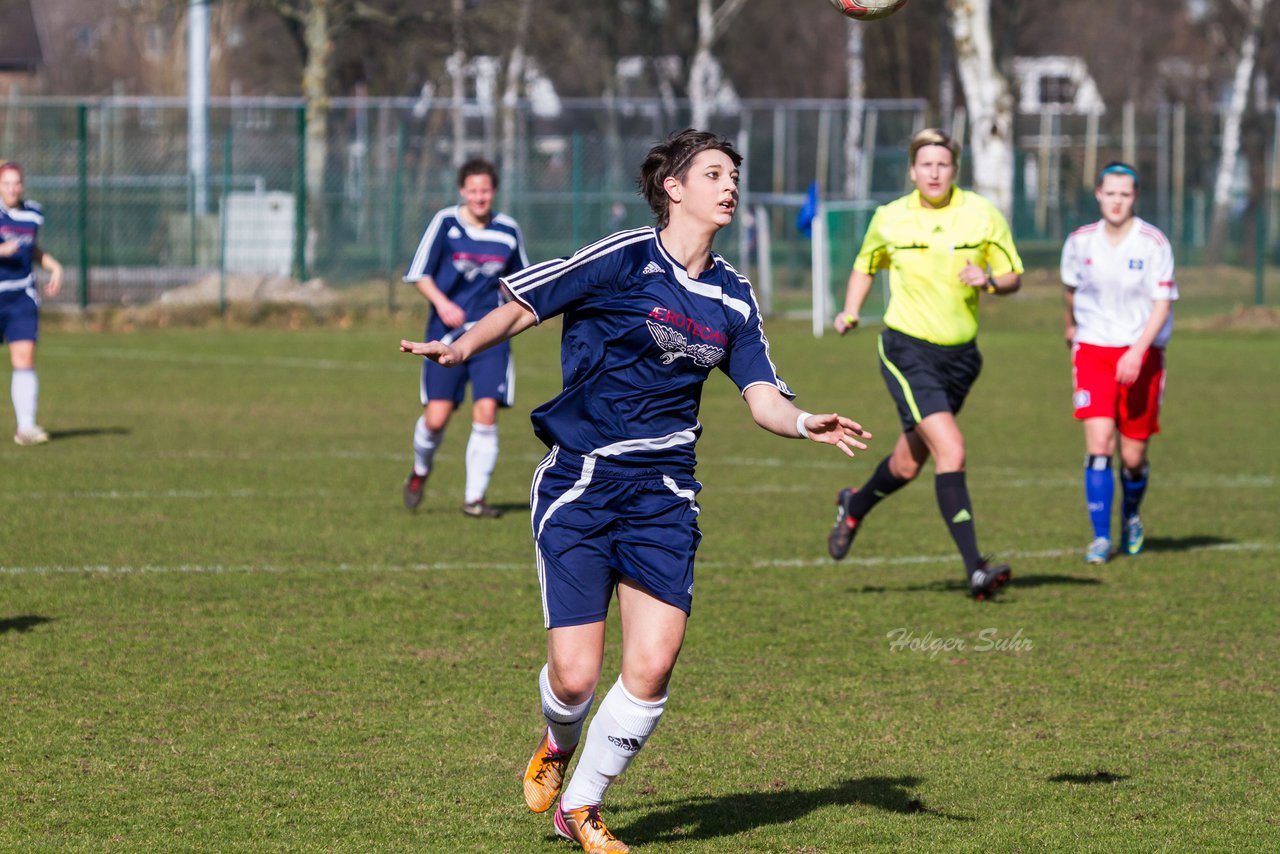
x,y
652,269
454,233
630,745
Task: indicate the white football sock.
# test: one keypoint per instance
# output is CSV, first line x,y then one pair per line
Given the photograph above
x,y
563,720
24,389
482,456
425,443
620,728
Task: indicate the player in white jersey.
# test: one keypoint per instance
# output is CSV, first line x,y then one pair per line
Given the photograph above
x,y
1118,274
463,252
648,315
20,223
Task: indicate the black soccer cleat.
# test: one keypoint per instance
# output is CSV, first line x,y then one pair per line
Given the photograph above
x,y
986,579
845,528
414,485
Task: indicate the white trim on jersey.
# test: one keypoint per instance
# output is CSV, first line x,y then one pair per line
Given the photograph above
x,y
23,215
687,494
417,267
655,443
778,383
693,286
540,274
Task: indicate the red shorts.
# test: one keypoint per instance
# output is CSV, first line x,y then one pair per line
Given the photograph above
x,y
1135,408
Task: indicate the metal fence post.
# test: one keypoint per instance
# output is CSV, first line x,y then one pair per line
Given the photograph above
x,y
397,190
300,201
82,202
222,219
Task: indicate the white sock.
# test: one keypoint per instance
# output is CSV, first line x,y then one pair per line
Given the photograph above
x,y
24,389
482,456
425,443
620,728
563,720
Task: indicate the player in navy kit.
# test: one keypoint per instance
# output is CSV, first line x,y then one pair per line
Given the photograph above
x,y
20,223
648,314
464,250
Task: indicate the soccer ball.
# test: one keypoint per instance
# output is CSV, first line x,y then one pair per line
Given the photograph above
x,y
868,10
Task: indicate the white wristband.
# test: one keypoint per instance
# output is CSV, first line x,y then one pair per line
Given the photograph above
x,y
800,419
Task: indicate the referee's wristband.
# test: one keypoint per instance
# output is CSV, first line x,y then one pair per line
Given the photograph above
x,y
991,287
800,419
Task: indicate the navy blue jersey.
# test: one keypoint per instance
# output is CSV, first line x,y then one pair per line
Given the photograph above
x,y
640,338
465,262
22,224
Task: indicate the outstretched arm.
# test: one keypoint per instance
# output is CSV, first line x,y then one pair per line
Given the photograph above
x,y
54,269
855,295
503,323
778,415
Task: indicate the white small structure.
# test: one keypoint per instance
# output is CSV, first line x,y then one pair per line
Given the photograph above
x,y
1056,84
259,232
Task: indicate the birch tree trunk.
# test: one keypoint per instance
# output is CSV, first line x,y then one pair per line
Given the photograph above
x,y
855,66
700,68
712,23
456,66
315,95
511,93
1231,122
989,100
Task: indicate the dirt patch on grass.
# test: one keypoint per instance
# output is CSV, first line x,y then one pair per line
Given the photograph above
x,y
1250,318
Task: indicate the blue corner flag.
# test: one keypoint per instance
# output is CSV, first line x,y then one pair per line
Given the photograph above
x,y
809,210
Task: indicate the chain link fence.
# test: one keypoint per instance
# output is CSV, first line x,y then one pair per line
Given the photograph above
x,y
131,222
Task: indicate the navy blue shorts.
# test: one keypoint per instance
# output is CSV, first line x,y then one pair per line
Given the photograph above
x,y
595,521
491,374
19,315
925,378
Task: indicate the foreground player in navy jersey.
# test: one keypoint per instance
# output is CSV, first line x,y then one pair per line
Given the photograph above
x,y
464,250
20,223
647,313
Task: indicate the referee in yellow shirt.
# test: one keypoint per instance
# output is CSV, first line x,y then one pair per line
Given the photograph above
x,y
944,248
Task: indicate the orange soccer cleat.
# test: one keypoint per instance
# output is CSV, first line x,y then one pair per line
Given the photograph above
x,y
544,775
585,827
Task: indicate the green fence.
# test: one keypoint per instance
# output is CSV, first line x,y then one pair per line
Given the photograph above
x,y
131,222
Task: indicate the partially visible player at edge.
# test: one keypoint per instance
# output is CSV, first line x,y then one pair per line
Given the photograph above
x,y
943,246
648,313
464,250
20,222
1120,290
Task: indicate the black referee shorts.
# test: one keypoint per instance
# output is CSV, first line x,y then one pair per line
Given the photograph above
x,y
925,378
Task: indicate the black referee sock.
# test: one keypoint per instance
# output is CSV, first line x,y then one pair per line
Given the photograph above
x,y
957,512
880,485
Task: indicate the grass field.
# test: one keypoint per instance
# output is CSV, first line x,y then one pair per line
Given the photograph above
x,y
220,631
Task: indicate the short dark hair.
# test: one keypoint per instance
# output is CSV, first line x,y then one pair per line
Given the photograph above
x,y
1116,167
933,136
672,159
477,166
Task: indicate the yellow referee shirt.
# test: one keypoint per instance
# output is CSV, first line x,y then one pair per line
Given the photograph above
x,y
925,249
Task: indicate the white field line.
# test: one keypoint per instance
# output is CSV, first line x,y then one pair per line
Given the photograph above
x,y
234,360
448,566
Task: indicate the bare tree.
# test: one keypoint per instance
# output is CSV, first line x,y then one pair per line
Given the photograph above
x,y
855,67
712,23
989,101
1253,12
315,25
516,64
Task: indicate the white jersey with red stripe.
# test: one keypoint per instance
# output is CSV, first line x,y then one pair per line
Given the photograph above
x,y
1115,286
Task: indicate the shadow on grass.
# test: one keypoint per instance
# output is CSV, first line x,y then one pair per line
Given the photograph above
x,y
955,584
1183,544
83,432
1086,779
25,623
729,815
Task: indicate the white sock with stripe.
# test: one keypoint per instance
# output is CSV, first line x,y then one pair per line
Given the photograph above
x,y
482,457
425,443
24,389
620,728
564,721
